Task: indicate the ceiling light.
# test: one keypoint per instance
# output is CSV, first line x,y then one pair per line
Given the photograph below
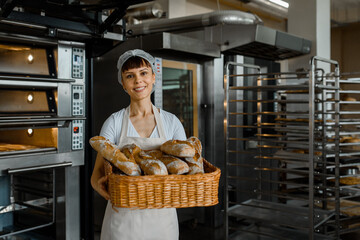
x,y
281,3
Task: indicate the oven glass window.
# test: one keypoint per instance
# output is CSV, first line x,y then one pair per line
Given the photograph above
x,y
23,101
179,93
23,60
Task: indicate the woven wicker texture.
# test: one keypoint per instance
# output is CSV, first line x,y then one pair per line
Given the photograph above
x,y
171,191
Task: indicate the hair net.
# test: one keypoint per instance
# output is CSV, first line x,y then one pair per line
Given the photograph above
x,y
135,53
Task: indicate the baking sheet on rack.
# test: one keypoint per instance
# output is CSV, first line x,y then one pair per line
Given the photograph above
x,y
347,207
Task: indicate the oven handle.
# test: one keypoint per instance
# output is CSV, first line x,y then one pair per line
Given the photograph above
x,y
25,169
18,78
18,121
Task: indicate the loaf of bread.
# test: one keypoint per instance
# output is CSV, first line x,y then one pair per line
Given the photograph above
x,y
174,165
178,148
112,154
148,164
195,165
196,162
156,153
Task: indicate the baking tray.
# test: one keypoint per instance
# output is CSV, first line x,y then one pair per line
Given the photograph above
x,y
279,214
261,232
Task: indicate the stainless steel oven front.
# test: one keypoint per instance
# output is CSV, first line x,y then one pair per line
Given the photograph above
x,y
42,124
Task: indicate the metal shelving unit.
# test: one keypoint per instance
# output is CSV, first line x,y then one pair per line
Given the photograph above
x,y
285,153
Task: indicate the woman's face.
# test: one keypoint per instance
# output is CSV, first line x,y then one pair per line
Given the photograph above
x,y
138,82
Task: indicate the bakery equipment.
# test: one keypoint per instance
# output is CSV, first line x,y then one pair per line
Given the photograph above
x,y
287,164
42,130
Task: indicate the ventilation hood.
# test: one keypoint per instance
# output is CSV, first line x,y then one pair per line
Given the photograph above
x,y
233,31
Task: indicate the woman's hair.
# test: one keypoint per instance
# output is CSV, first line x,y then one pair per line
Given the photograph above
x,y
135,62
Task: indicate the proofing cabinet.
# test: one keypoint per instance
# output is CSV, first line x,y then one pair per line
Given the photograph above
x,y
292,153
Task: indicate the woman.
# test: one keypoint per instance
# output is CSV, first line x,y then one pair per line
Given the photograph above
x,y
148,127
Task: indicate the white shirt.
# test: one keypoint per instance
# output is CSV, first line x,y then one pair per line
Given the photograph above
x,y
111,128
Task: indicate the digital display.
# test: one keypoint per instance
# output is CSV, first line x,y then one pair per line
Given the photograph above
x,y
77,59
76,129
76,95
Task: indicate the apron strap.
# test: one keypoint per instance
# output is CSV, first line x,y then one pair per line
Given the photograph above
x,y
159,123
125,123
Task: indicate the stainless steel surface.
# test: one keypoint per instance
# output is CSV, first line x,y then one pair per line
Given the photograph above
x,y
195,21
294,155
258,232
56,143
168,41
72,200
278,214
234,35
144,11
32,168
40,159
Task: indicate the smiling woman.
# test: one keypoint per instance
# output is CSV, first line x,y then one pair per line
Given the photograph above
x,y
148,127
138,81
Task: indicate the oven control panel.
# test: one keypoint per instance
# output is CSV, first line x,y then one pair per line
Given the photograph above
x,y
77,100
78,56
77,134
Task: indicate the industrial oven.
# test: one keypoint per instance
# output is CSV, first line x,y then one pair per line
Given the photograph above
x,y
42,127
191,53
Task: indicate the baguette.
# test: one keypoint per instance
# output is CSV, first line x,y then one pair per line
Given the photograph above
x,y
148,164
175,165
112,154
178,148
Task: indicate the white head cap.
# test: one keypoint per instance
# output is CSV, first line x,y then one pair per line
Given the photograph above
x,y
135,53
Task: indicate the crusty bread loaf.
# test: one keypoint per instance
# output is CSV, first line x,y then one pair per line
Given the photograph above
x,y
178,148
156,153
196,162
112,154
197,144
148,164
175,165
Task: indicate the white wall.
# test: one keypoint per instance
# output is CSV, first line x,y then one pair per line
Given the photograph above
x,y
310,19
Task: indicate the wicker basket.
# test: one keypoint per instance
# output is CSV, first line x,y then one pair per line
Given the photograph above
x,y
170,191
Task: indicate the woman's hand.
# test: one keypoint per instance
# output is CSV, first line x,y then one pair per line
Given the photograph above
x,y
98,178
101,187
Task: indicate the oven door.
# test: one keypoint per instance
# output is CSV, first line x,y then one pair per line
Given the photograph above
x,y
176,92
41,150
36,120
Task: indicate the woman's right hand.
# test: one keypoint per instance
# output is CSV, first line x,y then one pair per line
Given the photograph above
x,y
98,178
101,187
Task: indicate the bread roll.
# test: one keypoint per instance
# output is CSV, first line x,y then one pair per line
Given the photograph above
x,y
350,99
149,164
111,153
178,148
175,165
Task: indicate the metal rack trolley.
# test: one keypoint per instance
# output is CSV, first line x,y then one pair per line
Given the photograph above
x,y
284,156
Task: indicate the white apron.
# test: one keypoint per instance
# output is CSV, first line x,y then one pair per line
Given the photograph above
x,y
140,224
